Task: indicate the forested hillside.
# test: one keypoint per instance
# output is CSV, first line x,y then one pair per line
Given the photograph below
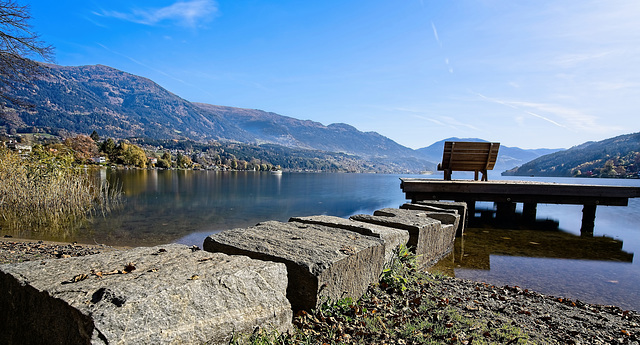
x,y
615,157
68,100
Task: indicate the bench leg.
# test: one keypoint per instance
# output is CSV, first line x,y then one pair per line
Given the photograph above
x,y
484,175
475,175
447,174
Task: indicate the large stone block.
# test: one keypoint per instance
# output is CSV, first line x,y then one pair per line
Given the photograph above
x,y
429,238
443,206
392,237
158,295
323,262
444,217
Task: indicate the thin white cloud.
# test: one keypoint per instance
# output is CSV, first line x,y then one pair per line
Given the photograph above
x,y
518,106
572,60
435,34
187,13
569,118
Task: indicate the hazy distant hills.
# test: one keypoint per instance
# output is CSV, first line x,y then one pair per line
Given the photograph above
x,y
614,157
508,157
266,127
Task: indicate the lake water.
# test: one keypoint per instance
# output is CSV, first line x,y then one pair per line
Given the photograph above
x,y
551,257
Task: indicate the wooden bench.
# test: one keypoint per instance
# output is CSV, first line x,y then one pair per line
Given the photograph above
x,y
468,156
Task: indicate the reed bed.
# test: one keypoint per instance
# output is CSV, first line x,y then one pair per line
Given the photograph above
x,y
46,192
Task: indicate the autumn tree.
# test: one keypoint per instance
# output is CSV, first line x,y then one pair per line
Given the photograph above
x,y
183,161
18,44
130,154
163,163
84,148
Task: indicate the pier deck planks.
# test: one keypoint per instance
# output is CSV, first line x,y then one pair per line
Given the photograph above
x,y
418,189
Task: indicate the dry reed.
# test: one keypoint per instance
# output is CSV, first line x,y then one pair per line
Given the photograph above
x,y
46,192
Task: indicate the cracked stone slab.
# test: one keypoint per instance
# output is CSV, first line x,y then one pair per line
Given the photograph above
x,y
157,295
392,237
322,262
432,205
427,236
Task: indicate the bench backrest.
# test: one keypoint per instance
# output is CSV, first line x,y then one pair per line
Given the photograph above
x,y
469,156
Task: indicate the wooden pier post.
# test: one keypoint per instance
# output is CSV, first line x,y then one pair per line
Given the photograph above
x,y
529,211
505,211
471,207
588,220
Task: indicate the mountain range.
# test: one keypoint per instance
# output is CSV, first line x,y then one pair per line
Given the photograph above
x,y
508,157
613,157
121,105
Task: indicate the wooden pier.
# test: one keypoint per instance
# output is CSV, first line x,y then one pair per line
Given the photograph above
x,y
507,193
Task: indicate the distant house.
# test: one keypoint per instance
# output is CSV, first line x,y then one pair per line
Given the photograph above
x,y
99,159
153,160
17,147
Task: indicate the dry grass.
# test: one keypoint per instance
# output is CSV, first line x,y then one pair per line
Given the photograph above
x,y
45,191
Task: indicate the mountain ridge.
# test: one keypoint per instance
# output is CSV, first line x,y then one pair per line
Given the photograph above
x,y
614,157
121,105
81,99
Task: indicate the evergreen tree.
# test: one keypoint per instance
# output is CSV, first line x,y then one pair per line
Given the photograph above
x,y
95,136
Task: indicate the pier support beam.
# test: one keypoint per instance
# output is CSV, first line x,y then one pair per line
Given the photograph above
x,y
529,210
471,207
588,220
505,211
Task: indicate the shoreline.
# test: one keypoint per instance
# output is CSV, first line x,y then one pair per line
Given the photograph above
x,y
543,319
15,250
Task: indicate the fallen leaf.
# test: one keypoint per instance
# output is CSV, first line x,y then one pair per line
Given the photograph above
x,y
130,267
77,278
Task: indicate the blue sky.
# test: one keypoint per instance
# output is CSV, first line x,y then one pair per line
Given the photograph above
x,y
530,74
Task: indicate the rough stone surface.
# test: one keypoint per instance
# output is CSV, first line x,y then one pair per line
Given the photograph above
x,y
428,205
158,295
429,238
322,262
443,217
392,237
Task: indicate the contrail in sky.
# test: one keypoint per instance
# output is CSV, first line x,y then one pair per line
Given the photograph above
x,y
435,34
511,105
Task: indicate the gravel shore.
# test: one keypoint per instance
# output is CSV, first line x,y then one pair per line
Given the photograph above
x,y
546,319
18,250
542,319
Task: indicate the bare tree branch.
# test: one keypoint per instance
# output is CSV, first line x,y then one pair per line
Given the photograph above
x,y
18,44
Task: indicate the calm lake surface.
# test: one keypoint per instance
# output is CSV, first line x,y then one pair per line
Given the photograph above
x,y
550,257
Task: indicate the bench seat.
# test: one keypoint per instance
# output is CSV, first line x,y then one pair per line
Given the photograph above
x,y
468,156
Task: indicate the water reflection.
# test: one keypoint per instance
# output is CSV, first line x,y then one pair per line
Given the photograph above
x,y
186,206
548,256
540,256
